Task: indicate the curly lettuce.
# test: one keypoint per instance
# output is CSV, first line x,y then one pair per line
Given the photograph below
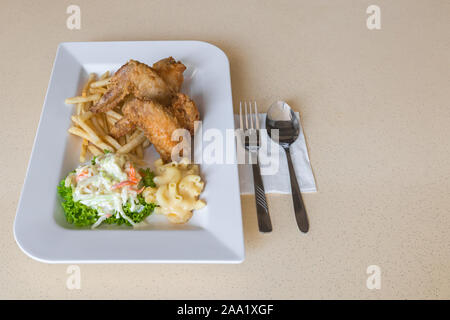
x,y
81,215
147,178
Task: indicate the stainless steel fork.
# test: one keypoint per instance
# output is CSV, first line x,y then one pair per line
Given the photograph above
x,y
252,143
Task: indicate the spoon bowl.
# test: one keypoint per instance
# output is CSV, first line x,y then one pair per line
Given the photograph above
x,y
280,116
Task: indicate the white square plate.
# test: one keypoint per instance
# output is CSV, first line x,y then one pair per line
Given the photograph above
x,y
213,235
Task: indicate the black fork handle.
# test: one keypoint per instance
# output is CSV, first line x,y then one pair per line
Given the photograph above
x,y
262,210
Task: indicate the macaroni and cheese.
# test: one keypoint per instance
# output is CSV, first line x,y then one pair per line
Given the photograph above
x,y
178,185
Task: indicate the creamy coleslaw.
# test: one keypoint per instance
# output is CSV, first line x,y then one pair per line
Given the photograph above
x,y
107,184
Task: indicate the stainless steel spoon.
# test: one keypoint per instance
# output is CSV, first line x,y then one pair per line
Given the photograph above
x,y
280,116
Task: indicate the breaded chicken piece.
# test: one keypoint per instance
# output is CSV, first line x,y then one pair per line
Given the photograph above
x,y
134,78
157,122
185,111
182,107
171,72
122,127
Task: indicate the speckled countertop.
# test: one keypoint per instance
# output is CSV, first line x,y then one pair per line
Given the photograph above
x,y
375,111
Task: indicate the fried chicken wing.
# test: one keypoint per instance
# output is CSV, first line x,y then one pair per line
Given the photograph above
x,y
185,111
182,108
156,120
171,72
122,127
151,101
138,79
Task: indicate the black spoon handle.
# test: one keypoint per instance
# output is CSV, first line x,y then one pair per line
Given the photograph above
x,y
299,207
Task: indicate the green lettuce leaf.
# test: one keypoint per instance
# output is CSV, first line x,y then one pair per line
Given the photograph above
x,y
81,215
147,178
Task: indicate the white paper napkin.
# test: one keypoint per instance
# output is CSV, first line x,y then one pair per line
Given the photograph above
x,y
277,181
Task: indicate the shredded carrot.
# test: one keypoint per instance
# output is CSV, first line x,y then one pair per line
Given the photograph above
x,y
122,184
141,189
81,175
132,175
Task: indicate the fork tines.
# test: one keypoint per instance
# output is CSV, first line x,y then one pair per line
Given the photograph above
x,y
249,116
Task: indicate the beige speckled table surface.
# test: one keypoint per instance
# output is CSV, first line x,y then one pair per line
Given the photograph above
x,y
375,110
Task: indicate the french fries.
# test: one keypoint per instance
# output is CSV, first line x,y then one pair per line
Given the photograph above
x,y
85,90
114,114
100,83
97,126
113,142
97,90
79,132
146,144
87,129
94,150
80,108
84,146
110,120
140,151
122,140
86,116
133,143
94,129
74,100
105,75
